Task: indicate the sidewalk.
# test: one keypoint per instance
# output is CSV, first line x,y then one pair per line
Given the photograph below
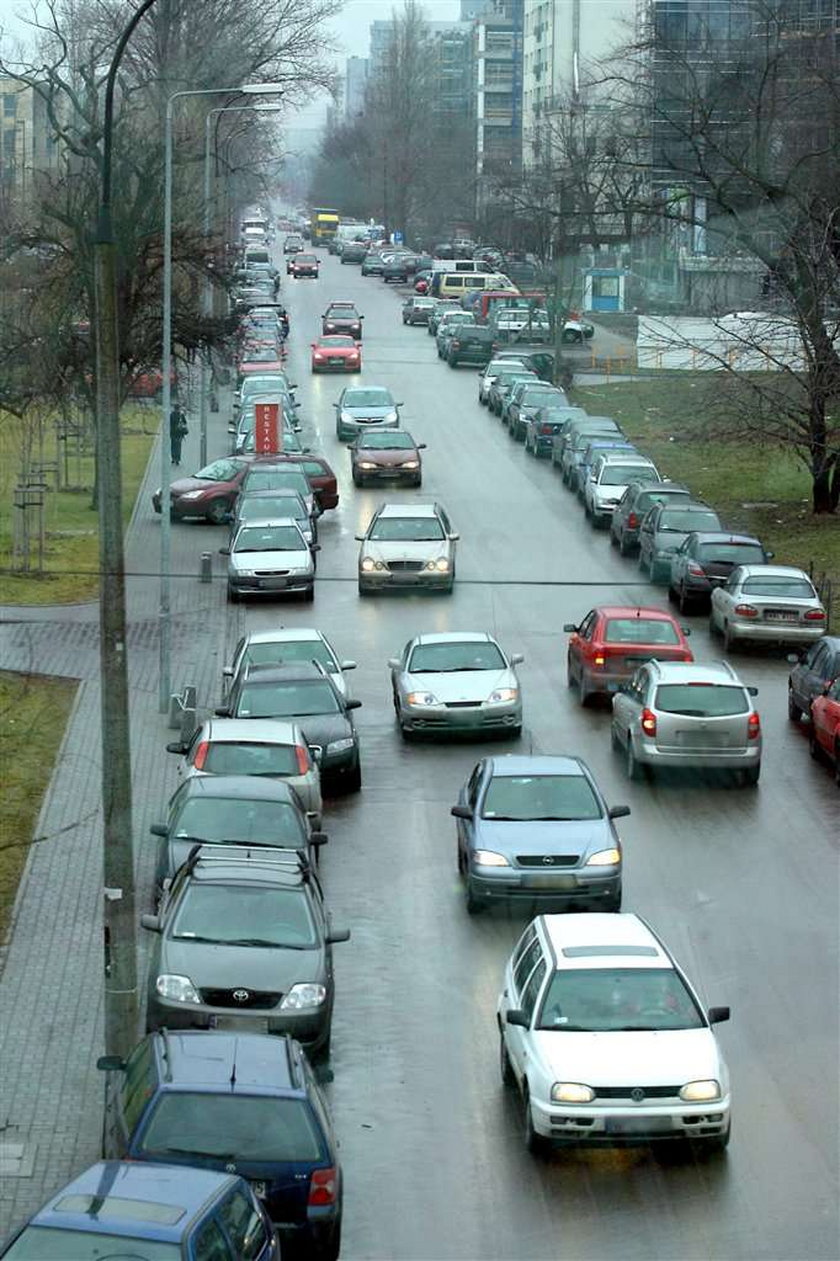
x,y
51,967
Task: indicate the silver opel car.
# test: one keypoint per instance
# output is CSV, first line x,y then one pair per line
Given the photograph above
x,y
407,545
270,558
456,681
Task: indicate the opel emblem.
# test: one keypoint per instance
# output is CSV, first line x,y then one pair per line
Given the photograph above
x,y
637,1094
241,996
230,1168
548,860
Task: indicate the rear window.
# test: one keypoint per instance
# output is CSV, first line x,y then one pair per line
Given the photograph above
x,y
737,553
251,759
38,1242
232,1127
680,520
701,700
640,630
785,588
621,474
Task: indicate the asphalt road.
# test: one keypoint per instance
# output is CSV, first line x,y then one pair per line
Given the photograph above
x,y
742,884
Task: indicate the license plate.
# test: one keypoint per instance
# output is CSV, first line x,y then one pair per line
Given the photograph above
x,y
240,1024
778,615
637,1125
271,584
335,361
549,882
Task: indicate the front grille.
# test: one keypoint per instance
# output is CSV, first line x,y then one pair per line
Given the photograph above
x,y
462,704
405,566
273,573
539,860
626,1092
257,1000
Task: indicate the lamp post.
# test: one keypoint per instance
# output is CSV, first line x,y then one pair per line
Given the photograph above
x,y
249,89
207,294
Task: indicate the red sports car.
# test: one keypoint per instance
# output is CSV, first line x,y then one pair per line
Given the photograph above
x,y
336,354
825,726
612,641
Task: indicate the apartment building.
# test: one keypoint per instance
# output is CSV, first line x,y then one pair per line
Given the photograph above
x,y
497,95
27,144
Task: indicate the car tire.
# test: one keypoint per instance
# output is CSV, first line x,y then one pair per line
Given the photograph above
x,y
216,512
615,743
794,711
309,594
364,591
473,904
329,1249
584,693
353,782
632,766
728,641
613,539
685,603
505,1067
623,547
715,1146
516,732
814,747
357,481
232,595
534,1142
750,776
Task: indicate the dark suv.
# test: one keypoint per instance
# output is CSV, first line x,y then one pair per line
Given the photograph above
x,y
306,692
243,1103
472,344
243,941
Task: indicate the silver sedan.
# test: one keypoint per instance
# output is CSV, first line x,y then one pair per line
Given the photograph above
x,y
773,604
456,681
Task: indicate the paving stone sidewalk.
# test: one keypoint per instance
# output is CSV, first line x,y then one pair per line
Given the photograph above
x,y
51,965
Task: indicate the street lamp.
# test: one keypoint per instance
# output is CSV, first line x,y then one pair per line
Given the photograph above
x,y
248,89
207,296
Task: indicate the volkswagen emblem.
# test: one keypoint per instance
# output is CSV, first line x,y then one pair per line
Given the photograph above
x,y
548,860
241,996
637,1094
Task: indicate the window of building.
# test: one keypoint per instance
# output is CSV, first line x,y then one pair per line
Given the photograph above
x,y
10,104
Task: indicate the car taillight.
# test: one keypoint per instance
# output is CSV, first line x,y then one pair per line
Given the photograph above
x,y
696,570
323,1188
201,755
302,755
632,521
648,722
753,726
745,610
598,659
815,615
545,429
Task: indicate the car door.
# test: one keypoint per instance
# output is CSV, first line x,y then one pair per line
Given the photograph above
x,y
815,673
647,533
469,797
722,598
516,1037
580,644
246,1227
521,1054
628,702
126,1096
209,1243
680,559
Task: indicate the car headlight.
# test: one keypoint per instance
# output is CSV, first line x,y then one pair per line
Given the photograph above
x,y
300,569
489,858
503,695
317,355
605,858
392,415
192,494
441,565
571,1092
331,328
303,996
244,573
368,565
421,698
341,746
179,989
365,464
347,418
700,1091
410,464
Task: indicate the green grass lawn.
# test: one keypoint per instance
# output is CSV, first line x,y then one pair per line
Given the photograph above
x,y
33,714
758,490
71,561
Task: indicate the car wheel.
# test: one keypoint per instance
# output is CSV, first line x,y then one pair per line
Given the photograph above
x,y
364,591
472,903
534,1142
613,539
330,1249
632,766
813,743
750,777
584,694
353,782
570,678
216,512
505,1068
728,641
515,732
794,710
614,740
623,547
309,594
712,1146
837,761
232,595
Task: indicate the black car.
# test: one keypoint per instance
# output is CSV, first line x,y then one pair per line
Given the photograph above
x,y
353,252
472,344
243,941
813,671
527,402
545,424
705,559
306,692
216,1099
396,269
342,317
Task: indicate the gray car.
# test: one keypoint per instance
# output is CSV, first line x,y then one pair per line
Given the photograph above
x,y
634,504
456,681
243,940
665,527
285,645
768,604
365,407
407,545
537,831
685,715
567,449
270,558
273,505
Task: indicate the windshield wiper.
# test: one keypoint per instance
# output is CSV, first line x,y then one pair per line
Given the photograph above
x,y
210,941
261,941
195,1151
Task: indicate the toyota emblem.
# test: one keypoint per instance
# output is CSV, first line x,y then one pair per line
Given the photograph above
x,y
637,1094
548,860
241,996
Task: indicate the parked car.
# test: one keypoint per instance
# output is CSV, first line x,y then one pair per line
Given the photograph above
x,y
499,363
570,447
684,715
219,1098
447,324
342,317
598,446
456,681
417,310
537,831
441,307
665,527
545,423
279,473
168,1211
813,671
613,640
525,402
319,474
767,604
632,506
271,505
365,407
611,474
503,383
606,1040
210,493
304,265
386,455
825,726
373,264
353,252
237,919
705,561
335,353
407,545
286,645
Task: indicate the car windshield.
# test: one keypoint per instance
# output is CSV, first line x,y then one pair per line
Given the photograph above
x,y
533,394
367,398
218,471
701,700
332,343
246,915
681,520
212,818
604,1000
736,553
406,530
289,650
266,384
41,1243
272,478
534,797
583,438
306,258
342,313
258,507
239,758
621,474
229,1126
640,630
391,441
287,700
785,588
500,366
447,658
458,317
268,538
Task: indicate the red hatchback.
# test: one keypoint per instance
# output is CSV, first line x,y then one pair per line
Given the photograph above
x,y
613,640
336,354
825,726
209,493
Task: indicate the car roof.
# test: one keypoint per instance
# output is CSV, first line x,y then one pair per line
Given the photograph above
x,y
408,510
724,536
634,610
251,731
284,635
248,787
229,1060
773,571
241,863
693,505
259,523
284,673
455,637
521,764
183,1189
695,672
620,939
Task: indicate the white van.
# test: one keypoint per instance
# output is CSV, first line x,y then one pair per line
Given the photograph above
x,y
460,264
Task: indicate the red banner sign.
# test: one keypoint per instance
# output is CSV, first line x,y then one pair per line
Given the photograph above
x,y
268,435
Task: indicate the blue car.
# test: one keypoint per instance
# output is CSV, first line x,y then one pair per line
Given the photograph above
x,y
148,1213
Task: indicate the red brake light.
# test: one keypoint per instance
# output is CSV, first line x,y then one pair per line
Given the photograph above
x,y
648,722
753,726
302,755
746,610
632,521
697,570
545,429
323,1188
815,615
201,755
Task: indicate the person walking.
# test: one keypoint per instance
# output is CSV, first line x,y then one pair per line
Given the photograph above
x,y
178,430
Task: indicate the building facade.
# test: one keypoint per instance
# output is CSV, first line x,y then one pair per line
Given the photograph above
x,y
497,97
27,144
355,84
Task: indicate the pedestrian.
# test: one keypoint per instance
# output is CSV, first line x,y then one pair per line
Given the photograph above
x,y
177,431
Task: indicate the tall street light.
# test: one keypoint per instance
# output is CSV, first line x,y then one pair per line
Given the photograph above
x,y
248,89
207,296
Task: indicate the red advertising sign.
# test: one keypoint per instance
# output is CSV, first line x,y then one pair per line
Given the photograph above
x,y
268,434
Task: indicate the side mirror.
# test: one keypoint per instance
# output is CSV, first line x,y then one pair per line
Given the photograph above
x,y
222,711
514,1016
716,1015
516,658
348,665
360,538
338,935
159,829
462,812
421,446
110,1064
753,691
394,663
686,630
317,839
227,672
323,1075
570,628
176,747
232,429
352,704
618,812
224,551
453,538
152,922
769,555
793,658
